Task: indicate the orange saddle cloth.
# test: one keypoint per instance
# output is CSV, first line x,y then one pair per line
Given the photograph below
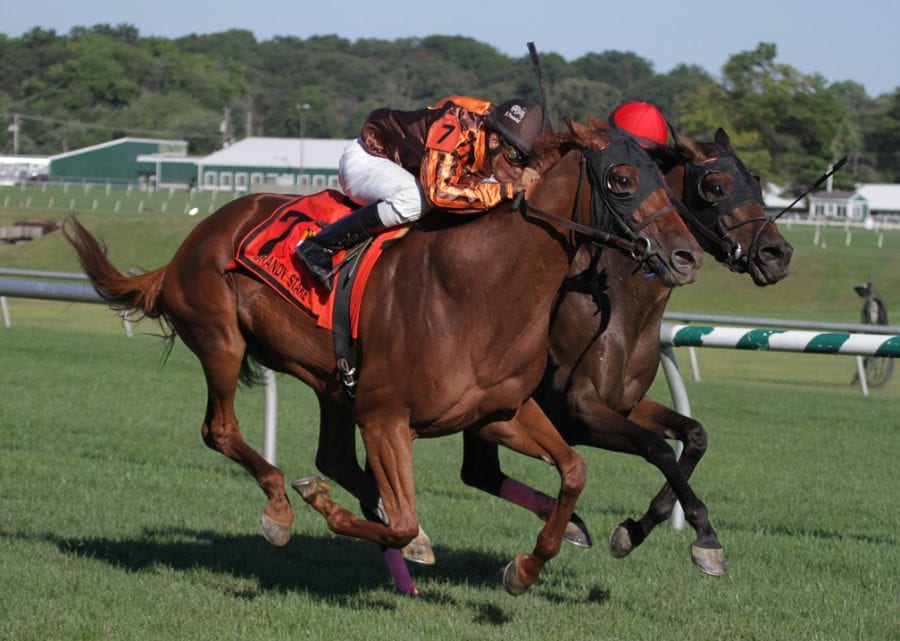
x,y
268,252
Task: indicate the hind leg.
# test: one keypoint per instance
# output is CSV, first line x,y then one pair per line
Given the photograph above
x,y
207,325
481,469
221,433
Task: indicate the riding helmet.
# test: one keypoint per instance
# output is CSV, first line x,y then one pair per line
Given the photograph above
x,y
642,120
519,122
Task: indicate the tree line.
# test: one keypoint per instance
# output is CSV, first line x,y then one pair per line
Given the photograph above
x,y
98,83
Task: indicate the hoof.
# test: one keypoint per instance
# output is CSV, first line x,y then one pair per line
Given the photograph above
x,y
620,544
709,560
511,581
275,533
577,533
309,486
627,536
419,549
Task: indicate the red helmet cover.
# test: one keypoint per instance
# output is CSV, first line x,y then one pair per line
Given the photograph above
x,y
641,119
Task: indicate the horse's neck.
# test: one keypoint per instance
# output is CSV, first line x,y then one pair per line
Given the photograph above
x,y
636,299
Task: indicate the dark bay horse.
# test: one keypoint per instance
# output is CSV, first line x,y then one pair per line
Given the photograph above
x,y
604,351
604,346
453,332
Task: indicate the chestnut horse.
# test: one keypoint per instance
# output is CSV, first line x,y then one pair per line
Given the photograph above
x,y
604,352
453,332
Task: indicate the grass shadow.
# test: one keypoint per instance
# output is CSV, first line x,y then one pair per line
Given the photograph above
x,y
331,567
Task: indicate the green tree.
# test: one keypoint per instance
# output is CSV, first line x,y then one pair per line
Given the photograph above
x,y
98,82
708,110
881,134
620,69
796,116
670,91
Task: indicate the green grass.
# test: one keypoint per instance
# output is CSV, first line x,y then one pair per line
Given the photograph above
x,y
116,522
53,200
820,286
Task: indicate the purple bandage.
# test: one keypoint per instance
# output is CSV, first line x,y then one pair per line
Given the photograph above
x,y
527,497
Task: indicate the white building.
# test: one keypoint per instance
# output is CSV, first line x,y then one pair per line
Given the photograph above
x,y
15,170
248,164
883,198
869,199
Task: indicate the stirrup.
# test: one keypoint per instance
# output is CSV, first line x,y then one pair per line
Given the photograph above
x,y
318,260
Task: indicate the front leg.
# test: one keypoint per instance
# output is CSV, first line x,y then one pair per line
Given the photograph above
x,y
668,423
643,433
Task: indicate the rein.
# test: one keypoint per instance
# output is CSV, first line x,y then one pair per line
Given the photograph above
x,y
635,245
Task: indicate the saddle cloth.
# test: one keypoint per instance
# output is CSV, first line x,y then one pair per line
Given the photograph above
x,y
267,251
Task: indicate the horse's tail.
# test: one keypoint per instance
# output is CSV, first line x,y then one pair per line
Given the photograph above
x,y
139,292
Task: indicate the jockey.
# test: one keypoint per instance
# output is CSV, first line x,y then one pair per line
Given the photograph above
x,y
463,155
642,120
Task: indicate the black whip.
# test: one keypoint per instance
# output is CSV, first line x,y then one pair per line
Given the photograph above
x,y
536,65
840,163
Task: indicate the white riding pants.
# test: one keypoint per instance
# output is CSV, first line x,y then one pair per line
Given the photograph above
x,y
367,179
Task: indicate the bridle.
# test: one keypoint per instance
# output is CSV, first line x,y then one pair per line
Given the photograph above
x,y
708,217
611,221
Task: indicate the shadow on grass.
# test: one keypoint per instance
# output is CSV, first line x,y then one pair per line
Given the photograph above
x,y
331,567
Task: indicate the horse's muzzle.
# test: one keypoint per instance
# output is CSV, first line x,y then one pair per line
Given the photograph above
x,y
771,263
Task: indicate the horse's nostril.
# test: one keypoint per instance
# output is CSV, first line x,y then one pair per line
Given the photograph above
x,y
685,261
776,254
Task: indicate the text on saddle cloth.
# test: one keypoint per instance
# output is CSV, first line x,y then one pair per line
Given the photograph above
x,y
268,252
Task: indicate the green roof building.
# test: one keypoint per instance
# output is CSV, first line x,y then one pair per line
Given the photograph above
x,y
117,162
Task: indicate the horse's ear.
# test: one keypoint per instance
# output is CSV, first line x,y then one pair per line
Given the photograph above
x,y
723,139
584,135
597,123
688,147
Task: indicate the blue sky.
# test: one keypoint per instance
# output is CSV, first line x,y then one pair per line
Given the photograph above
x,y
840,39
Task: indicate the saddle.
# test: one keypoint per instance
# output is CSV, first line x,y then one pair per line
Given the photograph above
x,y
267,252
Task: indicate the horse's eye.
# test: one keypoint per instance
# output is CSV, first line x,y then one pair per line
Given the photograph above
x,y
622,181
714,187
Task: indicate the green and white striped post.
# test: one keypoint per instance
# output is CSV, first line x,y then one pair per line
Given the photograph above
x,y
779,340
776,340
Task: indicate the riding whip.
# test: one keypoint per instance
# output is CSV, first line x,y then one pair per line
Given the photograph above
x,y
840,163
536,65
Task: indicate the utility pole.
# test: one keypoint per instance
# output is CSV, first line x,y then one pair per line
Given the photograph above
x,y
224,126
303,107
14,129
248,120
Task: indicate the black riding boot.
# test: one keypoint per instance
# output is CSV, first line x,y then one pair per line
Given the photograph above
x,y
317,251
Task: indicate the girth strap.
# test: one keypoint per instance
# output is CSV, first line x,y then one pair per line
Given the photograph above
x,y
341,332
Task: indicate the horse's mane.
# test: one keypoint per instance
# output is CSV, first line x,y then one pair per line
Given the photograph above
x,y
667,158
550,147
